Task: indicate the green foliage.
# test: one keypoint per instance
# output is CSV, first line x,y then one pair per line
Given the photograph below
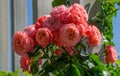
x,y
58,2
73,71
105,17
16,73
4,73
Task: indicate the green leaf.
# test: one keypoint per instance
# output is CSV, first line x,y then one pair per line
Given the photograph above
x,y
2,73
49,68
118,71
27,74
58,2
80,68
118,62
73,71
96,59
45,74
112,1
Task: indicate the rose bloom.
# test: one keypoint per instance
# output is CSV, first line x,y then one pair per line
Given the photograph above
x,y
77,13
70,50
58,52
52,23
61,13
40,20
25,63
69,35
30,31
94,36
56,38
22,43
111,55
44,37
83,26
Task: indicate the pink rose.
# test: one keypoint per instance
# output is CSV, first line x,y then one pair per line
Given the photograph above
x,y
111,55
60,13
43,37
22,43
30,31
94,36
40,20
52,23
77,14
25,63
69,35
83,26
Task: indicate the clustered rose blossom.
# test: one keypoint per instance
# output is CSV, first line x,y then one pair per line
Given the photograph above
x,y
94,36
39,22
52,23
25,63
61,13
69,35
31,31
64,27
44,37
111,55
22,43
77,14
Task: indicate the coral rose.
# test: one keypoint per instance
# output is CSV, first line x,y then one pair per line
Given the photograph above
x,y
30,31
58,52
52,23
69,35
77,14
94,36
43,37
40,20
111,55
60,13
22,43
25,63
83,26
56,38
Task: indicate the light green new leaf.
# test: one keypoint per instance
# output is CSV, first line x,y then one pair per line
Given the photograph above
x,y
118,62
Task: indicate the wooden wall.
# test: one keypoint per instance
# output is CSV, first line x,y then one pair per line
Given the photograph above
x,y
4,35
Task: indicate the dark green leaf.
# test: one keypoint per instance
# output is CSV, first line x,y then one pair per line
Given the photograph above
x,y
49,68
58,2
80,69
96,59
73,71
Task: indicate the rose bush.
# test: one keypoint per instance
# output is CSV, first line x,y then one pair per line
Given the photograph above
x,y
62,41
